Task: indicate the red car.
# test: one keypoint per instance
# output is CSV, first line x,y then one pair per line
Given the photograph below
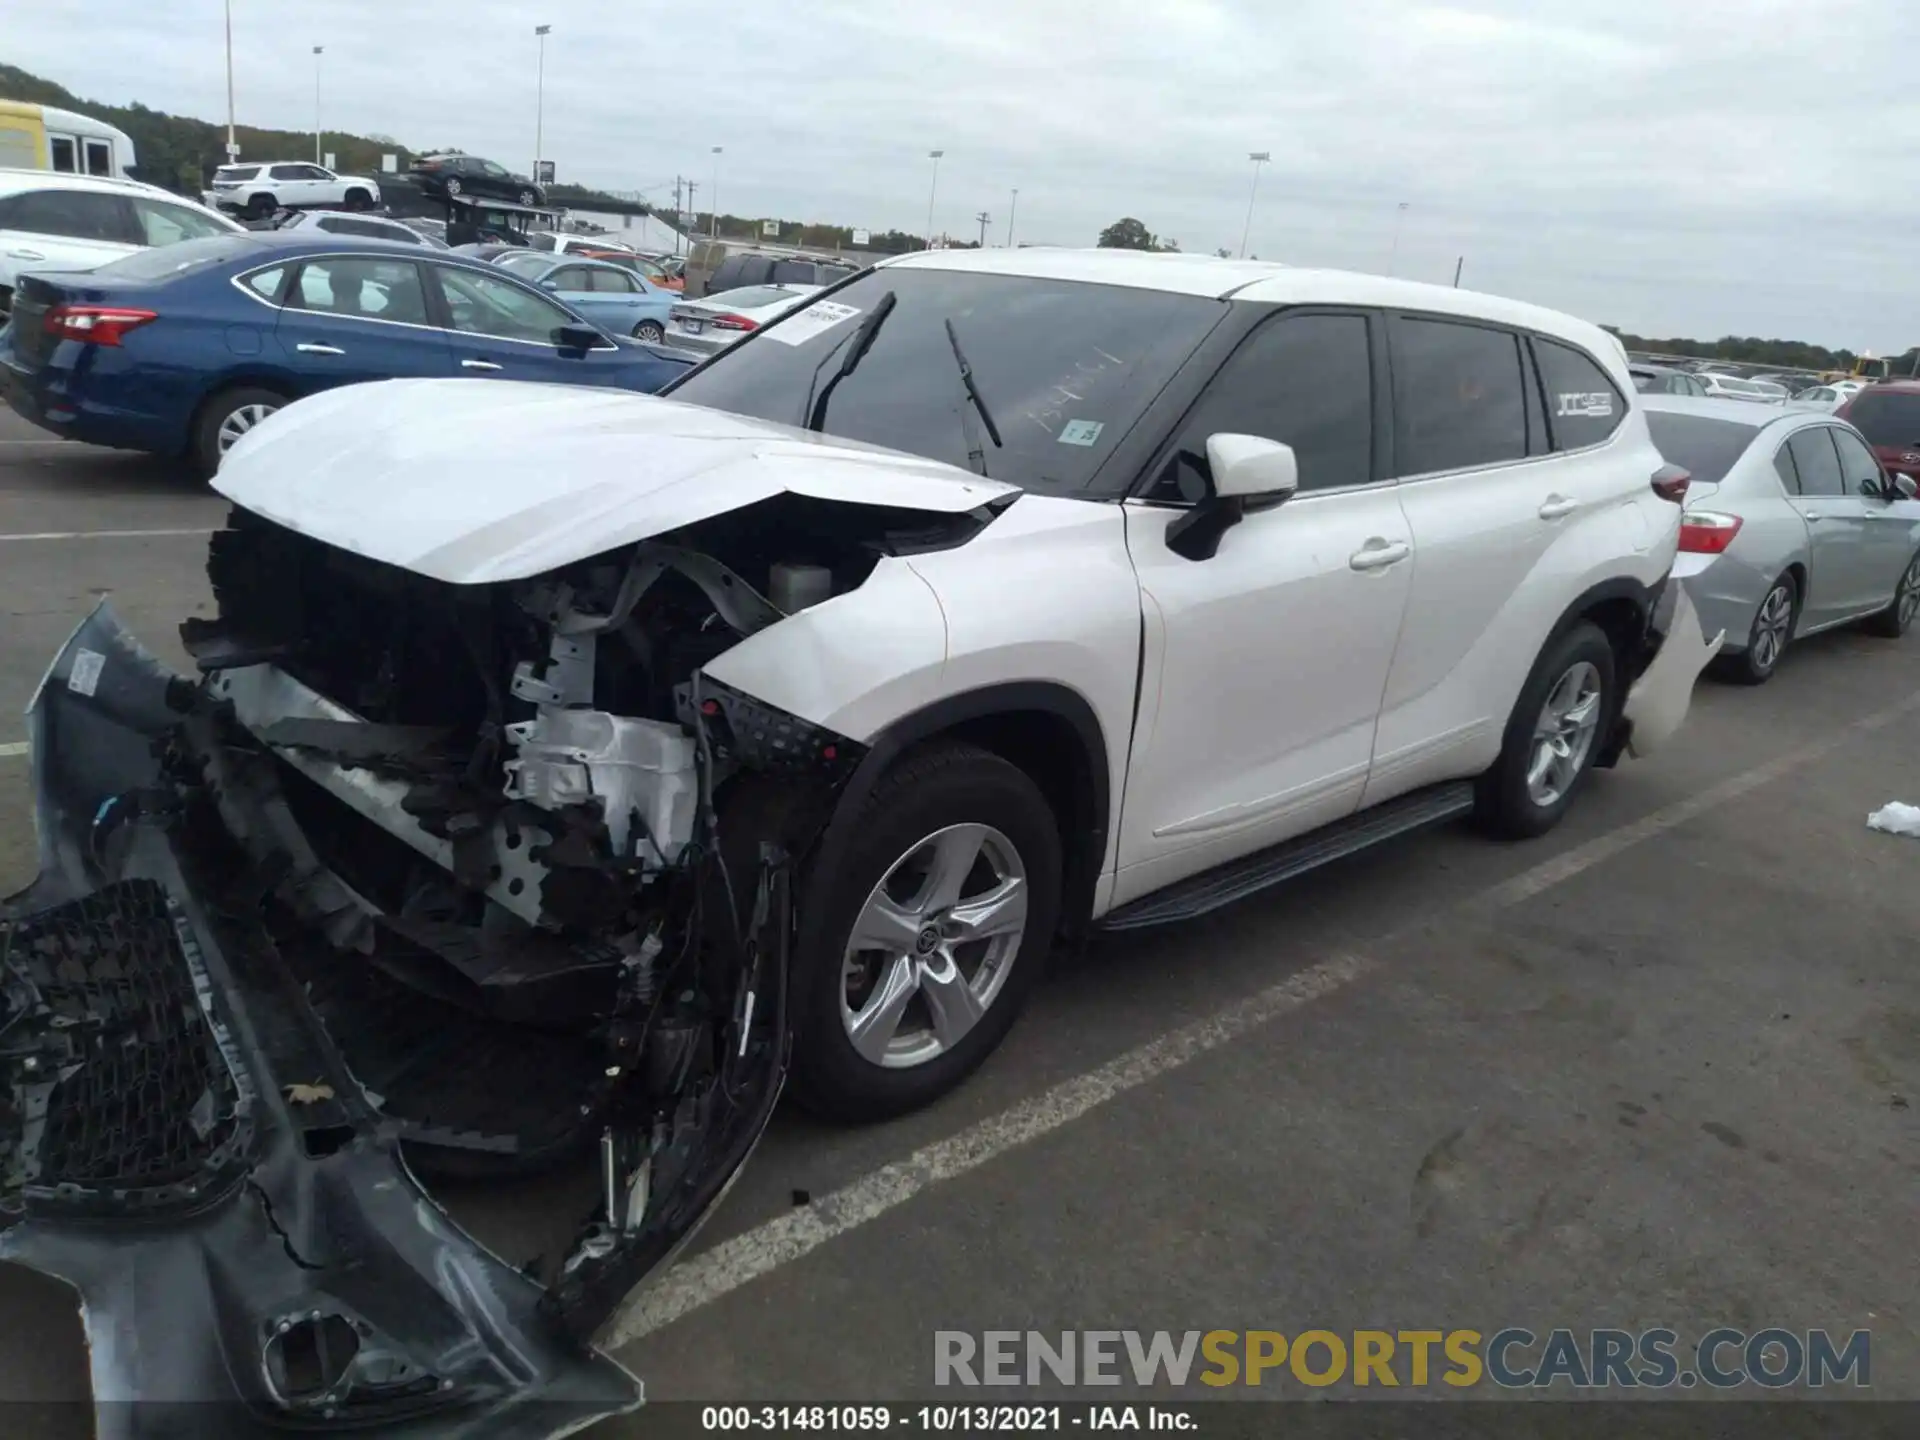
x,y
1888,414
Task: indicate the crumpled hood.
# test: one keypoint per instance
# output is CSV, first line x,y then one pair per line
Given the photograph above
x,y
478,481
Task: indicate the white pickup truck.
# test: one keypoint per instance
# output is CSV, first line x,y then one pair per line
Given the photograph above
x,y
262,189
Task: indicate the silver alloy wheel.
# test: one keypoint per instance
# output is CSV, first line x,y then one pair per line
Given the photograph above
x,y
932,948
1770,627
1908,597
239,422
649,330
453,185
1563,735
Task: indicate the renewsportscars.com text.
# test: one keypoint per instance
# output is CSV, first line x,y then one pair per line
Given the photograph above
x,y
1513,1358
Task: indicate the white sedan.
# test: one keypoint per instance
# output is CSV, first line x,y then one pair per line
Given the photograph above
x,y
717,321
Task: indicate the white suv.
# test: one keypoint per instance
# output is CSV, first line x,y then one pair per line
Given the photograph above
x,y
571,758
52,221
288,185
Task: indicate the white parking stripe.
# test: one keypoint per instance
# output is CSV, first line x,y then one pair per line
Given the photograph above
x,y
733,1263
108,534
13,747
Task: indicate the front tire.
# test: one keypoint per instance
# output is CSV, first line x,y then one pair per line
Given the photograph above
x,y
1554,733
650,331
1893,621
225,418
936,925
359,200
1767,637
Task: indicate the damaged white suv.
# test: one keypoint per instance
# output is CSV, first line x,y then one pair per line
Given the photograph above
x,y
561,761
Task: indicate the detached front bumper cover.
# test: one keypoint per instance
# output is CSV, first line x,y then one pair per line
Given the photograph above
x,y
1657,703
180,1142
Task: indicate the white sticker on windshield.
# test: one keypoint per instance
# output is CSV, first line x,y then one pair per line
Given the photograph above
x,y
1080,432
803,325
84,678
1597,403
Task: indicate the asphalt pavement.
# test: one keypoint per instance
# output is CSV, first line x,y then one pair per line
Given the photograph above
x,y
1658,1068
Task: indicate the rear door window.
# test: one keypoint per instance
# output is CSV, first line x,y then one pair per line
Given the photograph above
x,y
1458,396
1304,380
1584,407
71,214
1816,462
576,278
611,282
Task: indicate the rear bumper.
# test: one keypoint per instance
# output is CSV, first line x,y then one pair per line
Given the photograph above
x,y
1678,649
51,399
251,1250
1726,592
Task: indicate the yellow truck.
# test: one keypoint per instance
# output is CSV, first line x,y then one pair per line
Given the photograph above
x,y
44,137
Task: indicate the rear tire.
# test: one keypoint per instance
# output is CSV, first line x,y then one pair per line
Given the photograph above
x,y
359,200
527,197
650,331
453,185
1767,638
259,207
1544,761
949,794
224,417
1893,621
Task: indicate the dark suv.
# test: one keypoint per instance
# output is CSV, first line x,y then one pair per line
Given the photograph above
x,y
446,175
756,269
1888,414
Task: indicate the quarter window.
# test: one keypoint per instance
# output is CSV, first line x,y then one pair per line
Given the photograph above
x,y
1859,471
1304,380
366,289
1583,405
1817,464
1783,466
1459,399
482,305
266,283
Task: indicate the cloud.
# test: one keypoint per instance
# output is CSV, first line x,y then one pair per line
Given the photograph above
x,y
1701,168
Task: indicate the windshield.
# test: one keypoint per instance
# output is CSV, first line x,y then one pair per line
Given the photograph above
x,y
1887,417
1704,446
1065,367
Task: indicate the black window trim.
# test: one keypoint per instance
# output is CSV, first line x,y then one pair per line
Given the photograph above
x,y
1259,318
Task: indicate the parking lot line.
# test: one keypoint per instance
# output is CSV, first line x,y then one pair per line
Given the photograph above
x,y
13,747
107,534
709,1276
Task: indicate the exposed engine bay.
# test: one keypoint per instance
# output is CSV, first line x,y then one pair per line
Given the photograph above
x,y
426,879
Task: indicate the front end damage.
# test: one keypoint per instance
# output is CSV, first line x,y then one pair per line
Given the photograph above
x,y
414,880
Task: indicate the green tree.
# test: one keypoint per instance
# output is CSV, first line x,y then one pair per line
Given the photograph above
x,y
1126,234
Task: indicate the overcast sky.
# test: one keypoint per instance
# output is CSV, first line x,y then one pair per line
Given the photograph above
x,y
1689,167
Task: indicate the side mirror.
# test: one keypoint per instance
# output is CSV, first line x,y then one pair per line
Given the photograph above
x,y
553,285
1902,487
1248,472
577,337
1246,466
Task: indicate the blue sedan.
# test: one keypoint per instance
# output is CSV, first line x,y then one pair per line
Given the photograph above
x,y
608,294
180,350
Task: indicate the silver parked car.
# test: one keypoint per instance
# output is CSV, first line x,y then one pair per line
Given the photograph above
x,y
717,321
1791,527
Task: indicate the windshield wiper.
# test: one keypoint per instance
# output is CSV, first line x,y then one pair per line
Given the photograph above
x,y
857,348
975,454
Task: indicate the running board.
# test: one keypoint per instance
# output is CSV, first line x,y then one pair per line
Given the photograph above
x,y
1212,889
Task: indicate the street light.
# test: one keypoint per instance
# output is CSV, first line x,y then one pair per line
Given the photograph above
x,y
233,147
1393,250
932,190
1010,212
540,102
713,195
318,51
1259,158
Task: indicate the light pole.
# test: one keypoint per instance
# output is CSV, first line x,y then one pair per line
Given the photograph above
x,y
233,148
318,51
713,195
932,190
1015,205
540,101
1393,251
1259,158
983,217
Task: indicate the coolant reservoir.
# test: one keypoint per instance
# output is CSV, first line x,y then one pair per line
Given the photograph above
x,y
794,587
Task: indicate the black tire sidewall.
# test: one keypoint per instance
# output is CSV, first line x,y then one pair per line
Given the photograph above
x,y
1504,804
927,792
205,446
1888,622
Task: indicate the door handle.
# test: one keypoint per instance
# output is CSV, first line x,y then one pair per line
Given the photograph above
x,y
478,365
1816,514
306,348
1557,507
25,255
1377,554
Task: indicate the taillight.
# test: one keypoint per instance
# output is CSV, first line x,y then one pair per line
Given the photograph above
x,y
734,322
1707,532
94,324
1670,483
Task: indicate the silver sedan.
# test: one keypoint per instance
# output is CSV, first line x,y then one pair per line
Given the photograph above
x,y
1791,527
